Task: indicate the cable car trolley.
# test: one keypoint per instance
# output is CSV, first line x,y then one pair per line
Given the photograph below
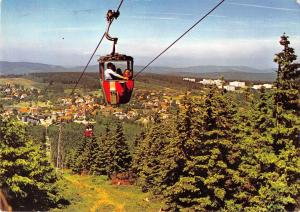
x,y
116,70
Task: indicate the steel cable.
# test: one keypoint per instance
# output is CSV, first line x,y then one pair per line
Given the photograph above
x,y
179,38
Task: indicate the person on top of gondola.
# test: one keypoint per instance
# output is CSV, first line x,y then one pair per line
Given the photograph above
x,y
110,73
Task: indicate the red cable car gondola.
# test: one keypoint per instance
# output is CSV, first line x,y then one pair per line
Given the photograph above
x,y
88,133
116,90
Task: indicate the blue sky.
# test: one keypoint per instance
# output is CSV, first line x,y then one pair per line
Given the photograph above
x,y
65,32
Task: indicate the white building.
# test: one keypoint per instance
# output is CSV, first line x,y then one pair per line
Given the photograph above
x,y
206,82
218,83
268,86
229,88
189,79
238,84
257,87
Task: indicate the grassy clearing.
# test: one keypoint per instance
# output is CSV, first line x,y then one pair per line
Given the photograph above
x,y
94,193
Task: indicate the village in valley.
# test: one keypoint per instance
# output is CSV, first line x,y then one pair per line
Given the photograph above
x,y
31,105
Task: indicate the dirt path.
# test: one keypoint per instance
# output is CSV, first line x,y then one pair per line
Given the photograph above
x,y
102,196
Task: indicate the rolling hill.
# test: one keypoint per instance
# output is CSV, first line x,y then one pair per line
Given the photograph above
x,y
244,76
7,68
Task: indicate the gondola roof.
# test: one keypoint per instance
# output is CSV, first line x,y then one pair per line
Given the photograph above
x,y
115,57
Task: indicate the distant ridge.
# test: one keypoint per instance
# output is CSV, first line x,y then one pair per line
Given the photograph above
x,y
27,67
213,69
228,72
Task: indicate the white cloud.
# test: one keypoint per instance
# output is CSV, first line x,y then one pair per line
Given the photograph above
x,y
166,17
266,7
71,29
0,8
252,52
151,17
298,1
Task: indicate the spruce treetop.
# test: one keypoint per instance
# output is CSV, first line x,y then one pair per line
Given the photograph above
x,y
288,74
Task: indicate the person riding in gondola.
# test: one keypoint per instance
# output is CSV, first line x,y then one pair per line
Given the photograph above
x,y
127,73
110,73
119,71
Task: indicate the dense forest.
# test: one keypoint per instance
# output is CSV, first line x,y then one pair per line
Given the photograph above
x,y
217,152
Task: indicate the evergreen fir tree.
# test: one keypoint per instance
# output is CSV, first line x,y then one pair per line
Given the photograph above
x,y
70,159
101,152
99,166
179,183
149,155
89,154
25,173
207,178
254,148
78,167
285,136
288,75
270,165
139,153
139,138
119,157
